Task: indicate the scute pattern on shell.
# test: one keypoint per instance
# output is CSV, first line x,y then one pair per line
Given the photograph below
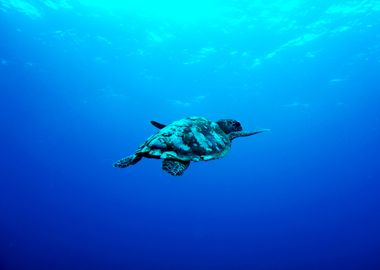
x,y
192,138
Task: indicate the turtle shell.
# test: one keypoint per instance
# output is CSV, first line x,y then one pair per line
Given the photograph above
x,y
188,139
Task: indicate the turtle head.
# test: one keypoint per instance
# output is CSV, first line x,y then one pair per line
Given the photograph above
x,y
229,125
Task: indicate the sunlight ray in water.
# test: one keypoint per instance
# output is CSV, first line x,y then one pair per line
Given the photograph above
x,y
185,10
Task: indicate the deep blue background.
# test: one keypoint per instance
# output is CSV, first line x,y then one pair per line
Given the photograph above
x,y
79,86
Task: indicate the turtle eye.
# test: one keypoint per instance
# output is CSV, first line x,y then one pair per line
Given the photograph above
x,y
237,126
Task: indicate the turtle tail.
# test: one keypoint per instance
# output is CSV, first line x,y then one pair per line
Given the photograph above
x,y
127,161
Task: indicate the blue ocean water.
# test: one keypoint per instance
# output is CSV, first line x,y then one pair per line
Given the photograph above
x,y
80,81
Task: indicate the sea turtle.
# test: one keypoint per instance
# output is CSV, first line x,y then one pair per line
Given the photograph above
x,y
185,140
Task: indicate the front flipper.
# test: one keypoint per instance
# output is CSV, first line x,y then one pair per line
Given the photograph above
x,y
175,167
157,125
127,161
237,134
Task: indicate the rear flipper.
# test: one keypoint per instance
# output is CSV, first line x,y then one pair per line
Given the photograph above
x,y
175,167
127,161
